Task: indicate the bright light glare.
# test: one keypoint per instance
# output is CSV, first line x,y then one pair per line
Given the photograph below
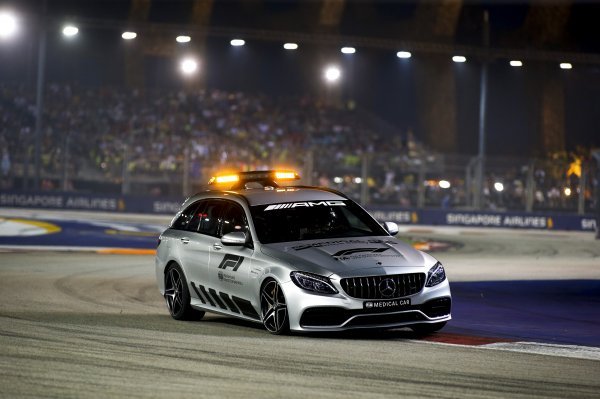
x,y
332,74
348,50
224,179
70,30
444,184
499,186
285,175
459,58
8,24
357,180
566,65
129,35
403,54
237,42
290,46
183,39
567,191
516,63
337,180
188,66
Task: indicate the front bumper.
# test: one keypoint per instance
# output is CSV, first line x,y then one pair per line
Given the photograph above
x,y
312,312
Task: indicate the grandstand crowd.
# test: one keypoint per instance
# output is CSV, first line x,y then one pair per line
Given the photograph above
x,y
98,134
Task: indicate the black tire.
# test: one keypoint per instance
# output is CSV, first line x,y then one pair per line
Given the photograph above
x,y
177,295
424,329
273,308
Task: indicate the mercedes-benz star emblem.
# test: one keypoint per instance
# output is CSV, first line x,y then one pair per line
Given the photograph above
x,y
387,288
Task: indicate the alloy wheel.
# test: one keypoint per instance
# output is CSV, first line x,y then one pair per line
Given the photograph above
x,y
273,308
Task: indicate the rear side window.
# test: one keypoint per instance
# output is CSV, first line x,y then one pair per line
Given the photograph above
x,y
211,217
186,217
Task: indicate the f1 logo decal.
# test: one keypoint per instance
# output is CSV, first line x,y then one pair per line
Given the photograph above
x,y
232,261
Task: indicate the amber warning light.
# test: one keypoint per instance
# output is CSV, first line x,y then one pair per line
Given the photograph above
x,y
224,179
267,175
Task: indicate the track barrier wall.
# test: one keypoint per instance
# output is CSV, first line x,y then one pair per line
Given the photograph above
x,y
438,217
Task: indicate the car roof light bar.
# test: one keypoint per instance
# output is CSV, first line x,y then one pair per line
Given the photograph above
x,y
265,177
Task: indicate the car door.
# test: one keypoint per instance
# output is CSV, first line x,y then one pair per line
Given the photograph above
x,y
192,252
202,232
230,265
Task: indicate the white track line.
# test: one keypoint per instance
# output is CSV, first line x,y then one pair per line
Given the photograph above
x,y
574,351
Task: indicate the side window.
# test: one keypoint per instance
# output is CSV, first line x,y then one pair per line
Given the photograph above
x,y
182,221
234,220
194,223
211,217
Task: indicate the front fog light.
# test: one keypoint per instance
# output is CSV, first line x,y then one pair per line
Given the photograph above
x,y
436,275
313,282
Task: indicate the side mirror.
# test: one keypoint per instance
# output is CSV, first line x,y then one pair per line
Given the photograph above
x,y
234,238
391,228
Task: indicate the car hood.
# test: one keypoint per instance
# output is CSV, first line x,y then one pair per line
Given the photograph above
x,y
345,256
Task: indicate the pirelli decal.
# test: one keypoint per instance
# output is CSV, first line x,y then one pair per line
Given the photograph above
x,y
308,204
222,300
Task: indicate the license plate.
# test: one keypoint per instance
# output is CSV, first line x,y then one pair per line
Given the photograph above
x,y
392,304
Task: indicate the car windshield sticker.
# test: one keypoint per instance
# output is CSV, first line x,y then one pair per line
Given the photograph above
x,y
339,242
347,252
308,204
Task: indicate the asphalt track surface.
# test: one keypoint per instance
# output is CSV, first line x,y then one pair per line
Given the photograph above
x,y
83,324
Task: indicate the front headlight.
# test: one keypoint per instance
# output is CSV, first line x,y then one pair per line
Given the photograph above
x,y
436,275
313,282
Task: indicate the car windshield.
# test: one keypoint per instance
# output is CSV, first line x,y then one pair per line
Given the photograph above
x,y
313,220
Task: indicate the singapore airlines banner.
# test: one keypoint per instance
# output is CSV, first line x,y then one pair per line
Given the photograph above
x,y
169,206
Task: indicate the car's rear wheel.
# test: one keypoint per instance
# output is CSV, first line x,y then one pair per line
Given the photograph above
x,y
273,308
428,328
177,295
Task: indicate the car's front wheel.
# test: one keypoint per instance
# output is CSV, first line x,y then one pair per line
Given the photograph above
x,y
273,308
428,328
177,295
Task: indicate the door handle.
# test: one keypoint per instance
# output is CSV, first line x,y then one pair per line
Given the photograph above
x,y
217,247
185,240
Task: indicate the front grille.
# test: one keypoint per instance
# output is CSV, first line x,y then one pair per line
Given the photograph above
x,y
383,319
371,288
335,316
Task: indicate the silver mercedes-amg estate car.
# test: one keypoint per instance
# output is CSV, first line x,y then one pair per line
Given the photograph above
x,y
295,258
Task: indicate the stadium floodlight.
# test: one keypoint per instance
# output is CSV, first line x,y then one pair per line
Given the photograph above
x,y
183,39
516,63
566,65
290,46
237,42
498,186
357,180
129,35
332,74
403,54
348,50
70,31
444,184
459,58
188,66
338,180
8,24
567,191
